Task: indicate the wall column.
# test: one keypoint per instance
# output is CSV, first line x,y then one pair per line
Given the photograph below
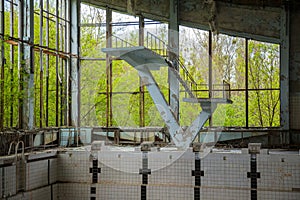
x,y
284,70
173,45
74,61
293,65
26,64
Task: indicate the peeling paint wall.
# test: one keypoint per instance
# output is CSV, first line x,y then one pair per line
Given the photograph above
x,y
295,68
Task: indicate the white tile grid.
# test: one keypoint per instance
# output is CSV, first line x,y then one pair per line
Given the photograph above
x,y
159,160
55,191
118,191
115,180
229,173
40,194
9,181
20,196
179,173
267,195
53,170
36,174
118,179
157,192
277,174
73,191
121,160
224,194
225,176
74,167
175,181
111,176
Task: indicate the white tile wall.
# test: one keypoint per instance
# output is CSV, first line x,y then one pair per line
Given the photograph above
x,y
36,174
42,194
72,191
160,192
55,191
74,166
279,171
38,194
53,170
9,181
118,191
225,176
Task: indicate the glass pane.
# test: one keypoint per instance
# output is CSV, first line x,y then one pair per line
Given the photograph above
x,y
231,114
263,65
93,89
264,108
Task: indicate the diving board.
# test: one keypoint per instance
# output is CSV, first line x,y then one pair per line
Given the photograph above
x,y
144,60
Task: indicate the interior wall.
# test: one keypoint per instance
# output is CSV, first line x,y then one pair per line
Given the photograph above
x,y
294,67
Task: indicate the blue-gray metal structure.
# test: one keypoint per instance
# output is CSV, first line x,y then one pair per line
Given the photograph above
x,y
74,39
144,61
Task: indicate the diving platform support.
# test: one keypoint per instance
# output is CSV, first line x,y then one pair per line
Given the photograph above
x,y
144,61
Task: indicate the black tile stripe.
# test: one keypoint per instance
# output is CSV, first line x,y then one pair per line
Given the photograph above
x,y
51,188
196,193
144,172
197,173
48,172
143,192
93,190
94,171
253,175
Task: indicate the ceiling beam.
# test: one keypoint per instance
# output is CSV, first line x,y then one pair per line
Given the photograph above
x,y
256,22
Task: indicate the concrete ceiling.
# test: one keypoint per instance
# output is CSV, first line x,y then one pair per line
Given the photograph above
x,y
257,19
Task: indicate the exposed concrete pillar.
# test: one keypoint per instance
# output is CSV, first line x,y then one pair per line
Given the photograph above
x,y
26,64
173,56
142,87
74,67
294,68
284,69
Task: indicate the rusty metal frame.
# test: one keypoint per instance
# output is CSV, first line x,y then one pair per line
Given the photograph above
x,y
33,108
2,23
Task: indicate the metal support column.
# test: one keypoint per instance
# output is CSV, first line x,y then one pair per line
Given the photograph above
x,y
210,81
28,78
173,45
142,87
12,61
47,67
57,65
246,83
2,60
21,62
108,69
41,66
74,67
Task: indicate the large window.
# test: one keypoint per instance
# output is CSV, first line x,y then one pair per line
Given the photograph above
x,y
47,63
111,94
